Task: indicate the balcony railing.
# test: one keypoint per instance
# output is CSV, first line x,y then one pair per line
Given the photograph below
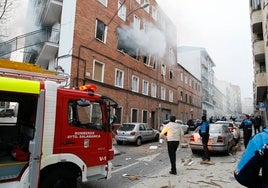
x,y
34,38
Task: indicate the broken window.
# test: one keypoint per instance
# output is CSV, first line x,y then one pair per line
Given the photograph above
x,y
100,31
126,42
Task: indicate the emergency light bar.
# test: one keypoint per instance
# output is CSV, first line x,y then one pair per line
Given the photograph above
x,y
89,87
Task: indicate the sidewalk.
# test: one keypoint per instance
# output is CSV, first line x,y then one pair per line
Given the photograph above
x,y
192,174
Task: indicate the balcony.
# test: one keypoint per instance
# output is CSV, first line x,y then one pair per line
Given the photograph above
x,y
52,13
258,50
49,49
256,21
261,79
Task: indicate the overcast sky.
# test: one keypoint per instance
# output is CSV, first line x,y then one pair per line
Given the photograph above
x,y
223,29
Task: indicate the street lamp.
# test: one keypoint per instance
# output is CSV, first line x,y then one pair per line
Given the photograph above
x,y
143,6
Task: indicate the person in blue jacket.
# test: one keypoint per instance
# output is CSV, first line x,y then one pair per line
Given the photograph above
x,y
252,169
246,125
204,133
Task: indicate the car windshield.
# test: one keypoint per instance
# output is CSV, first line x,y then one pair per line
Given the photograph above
x,y
126,127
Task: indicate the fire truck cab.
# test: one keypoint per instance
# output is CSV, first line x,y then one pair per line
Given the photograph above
x,y
55,136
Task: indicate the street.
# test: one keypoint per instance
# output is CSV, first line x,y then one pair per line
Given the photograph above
x,y
145,165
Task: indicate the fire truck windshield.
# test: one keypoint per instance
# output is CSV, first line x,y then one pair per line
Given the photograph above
x,y
86,116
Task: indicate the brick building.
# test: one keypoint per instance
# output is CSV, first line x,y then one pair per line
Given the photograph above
x,y
128,48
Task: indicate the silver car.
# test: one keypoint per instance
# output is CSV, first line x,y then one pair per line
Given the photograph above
x,y
136,133
184,127
233,128
221,139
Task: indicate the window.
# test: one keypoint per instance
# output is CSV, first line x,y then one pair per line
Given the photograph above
x,y
163,93
122,10
163,70
171,56
85,116
154,13
118,114
130,47
190,82
138,1
134,115
181,96
181,76
186,79
170,96
256,4
186,98
119,78
145,87
147,60
104,2
135,84
137,22
154,63
153,90
171,74
144,116
98,70
147,9
101,30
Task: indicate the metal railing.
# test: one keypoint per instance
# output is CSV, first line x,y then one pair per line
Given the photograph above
x,y
29,39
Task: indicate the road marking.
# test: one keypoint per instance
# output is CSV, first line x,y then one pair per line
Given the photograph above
x,y
148,158
125,167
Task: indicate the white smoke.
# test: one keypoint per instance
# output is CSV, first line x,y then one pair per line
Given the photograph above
x,y
150,40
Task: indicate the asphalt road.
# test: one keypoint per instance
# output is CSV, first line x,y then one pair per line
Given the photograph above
x,y
149,163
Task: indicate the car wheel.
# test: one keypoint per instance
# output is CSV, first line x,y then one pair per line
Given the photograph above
x,y
119,142
194,151
138,141
156,139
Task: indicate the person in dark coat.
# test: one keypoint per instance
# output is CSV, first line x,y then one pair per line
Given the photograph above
x,y
257,124
246,125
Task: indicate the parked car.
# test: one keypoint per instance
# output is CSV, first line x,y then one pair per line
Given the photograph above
x,y
7,112
136,133
184,127
233,128
221,139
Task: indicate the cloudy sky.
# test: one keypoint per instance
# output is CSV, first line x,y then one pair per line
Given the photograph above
x,y
223,29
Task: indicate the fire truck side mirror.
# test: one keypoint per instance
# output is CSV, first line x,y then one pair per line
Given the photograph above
x,y
83,102
112,119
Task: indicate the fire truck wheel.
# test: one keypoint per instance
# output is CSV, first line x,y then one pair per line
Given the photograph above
x,y
138,141
59,178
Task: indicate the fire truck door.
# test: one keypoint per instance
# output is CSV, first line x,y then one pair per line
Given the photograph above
x,y
36,144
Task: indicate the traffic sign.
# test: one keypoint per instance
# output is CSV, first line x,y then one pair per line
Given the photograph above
x,y
262,106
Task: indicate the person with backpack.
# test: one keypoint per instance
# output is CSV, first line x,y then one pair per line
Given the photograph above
x,y
246,125
253,161
204,134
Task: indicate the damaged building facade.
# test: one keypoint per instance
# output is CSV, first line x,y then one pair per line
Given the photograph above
x,y
128,48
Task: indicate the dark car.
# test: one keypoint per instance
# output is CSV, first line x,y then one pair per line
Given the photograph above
x,y
7,112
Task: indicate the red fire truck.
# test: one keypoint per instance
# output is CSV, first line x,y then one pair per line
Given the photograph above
x,y
56,134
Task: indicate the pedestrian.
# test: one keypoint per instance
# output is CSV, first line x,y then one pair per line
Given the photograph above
x,y
204,134
253,161
174,135
246,125
257,124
